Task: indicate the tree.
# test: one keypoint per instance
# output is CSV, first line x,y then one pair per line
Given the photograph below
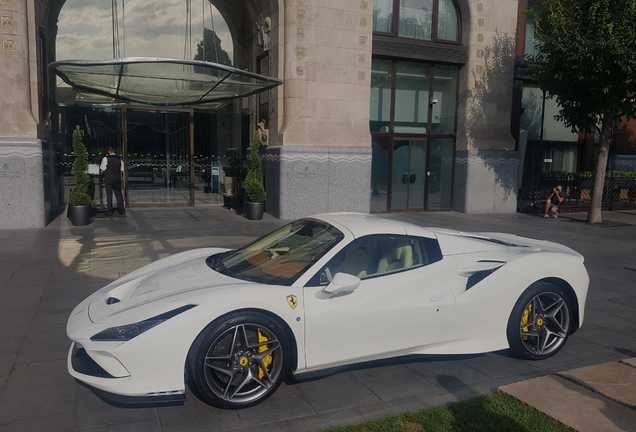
x,y
254,181
212,45
587,52
79,194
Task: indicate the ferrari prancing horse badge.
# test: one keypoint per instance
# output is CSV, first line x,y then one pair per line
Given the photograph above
x,y
293,301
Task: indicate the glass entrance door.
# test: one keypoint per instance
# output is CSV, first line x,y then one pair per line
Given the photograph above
x,y
412,122
158,156
408,180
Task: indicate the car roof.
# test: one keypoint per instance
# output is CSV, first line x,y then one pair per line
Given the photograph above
x,y
361,224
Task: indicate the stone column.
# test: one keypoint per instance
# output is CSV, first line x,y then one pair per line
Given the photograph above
x,y
322,160
21,174
486,163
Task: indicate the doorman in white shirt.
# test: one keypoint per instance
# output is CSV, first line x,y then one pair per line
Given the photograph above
x,y
112,167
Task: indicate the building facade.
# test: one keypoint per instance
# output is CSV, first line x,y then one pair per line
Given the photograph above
x,y
385,106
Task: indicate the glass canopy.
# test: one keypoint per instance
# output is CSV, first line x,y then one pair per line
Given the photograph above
x,y
161,81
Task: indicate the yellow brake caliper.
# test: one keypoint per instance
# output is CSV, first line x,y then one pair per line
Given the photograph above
x,y
524,320
268,359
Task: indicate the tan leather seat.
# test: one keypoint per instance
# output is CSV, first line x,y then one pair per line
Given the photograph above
x,y
398,258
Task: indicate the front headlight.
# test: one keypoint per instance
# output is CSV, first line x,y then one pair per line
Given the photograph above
x,y
129,331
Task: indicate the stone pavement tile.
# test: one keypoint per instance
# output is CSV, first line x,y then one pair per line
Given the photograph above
x,y
35,351
343,417
614,380
11,345
281,426
603,292
337,392
74,289
618,341
21,296
93,412
447,371
38,373
148,424
286,404
51,317
63,422
573,405
6,363
497,366
14,328
53,332
393,382
18,313
444,397
30,277
41,400
197,415
396,406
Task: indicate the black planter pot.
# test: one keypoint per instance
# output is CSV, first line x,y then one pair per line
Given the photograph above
x,y
254,210
80,215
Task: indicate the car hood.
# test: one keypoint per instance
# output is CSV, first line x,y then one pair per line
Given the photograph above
x,y
169,279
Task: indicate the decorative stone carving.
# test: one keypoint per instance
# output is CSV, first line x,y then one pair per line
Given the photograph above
x,y
263,31
263,133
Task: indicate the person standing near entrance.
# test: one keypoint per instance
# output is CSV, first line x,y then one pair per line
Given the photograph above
x,y
111,168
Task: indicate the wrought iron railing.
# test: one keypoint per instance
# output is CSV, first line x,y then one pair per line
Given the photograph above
x,y
618,192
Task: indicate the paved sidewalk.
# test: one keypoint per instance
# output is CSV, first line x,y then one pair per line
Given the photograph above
x,y
589,399
44,273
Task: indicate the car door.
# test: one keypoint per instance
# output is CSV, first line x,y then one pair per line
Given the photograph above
x,y
401,304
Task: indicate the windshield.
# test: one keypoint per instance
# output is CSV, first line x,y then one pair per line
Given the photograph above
x,y
282,256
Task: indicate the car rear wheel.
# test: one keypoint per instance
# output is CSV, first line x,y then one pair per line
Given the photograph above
x,y
539,324
239,360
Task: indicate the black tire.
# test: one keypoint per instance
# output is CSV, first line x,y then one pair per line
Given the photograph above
x,y
227,366
540,322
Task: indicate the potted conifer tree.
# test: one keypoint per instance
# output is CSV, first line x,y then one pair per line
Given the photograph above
x,y
79,201
254,189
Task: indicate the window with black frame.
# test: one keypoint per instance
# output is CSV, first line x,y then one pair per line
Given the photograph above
x,y
426,20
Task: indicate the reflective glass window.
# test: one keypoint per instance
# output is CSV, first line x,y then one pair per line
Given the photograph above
x,y
553,130
416,19
447,22
381,78
444,98
529,46
411,97
383,16
379,173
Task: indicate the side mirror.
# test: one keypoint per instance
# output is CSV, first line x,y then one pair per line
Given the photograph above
x,y
341,283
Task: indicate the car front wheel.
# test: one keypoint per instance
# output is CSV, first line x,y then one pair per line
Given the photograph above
x,y
539,324
238,361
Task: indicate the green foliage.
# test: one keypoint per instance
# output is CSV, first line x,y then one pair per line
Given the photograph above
x,y
585,174
497,412
587,51
557,174
254,181
79,194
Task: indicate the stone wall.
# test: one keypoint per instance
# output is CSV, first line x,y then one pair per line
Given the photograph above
x,y
302,181
22,184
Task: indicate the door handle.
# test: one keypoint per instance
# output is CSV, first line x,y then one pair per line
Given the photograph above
x,y
412,178
405,179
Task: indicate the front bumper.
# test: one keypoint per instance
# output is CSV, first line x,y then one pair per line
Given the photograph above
x,y
108,387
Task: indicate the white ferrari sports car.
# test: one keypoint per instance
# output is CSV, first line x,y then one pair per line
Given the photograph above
x,y
320,292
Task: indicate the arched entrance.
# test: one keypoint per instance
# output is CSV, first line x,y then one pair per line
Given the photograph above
x,y
173,156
